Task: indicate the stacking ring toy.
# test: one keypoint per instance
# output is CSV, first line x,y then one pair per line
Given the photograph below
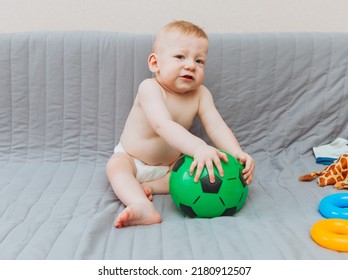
x,y
334,206
331,234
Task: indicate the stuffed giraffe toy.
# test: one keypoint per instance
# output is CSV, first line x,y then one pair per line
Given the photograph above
x,y
335,174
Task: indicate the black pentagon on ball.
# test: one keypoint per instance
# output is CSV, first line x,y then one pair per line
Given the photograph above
x,y
241,177
229,211
209,187
188,210
178,164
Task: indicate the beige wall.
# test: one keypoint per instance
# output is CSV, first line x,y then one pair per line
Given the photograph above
x,y
148,15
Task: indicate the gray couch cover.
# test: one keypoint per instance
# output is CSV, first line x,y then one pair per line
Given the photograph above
x,y
65,96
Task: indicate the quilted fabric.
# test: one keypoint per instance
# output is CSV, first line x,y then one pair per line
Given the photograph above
x,y
64,98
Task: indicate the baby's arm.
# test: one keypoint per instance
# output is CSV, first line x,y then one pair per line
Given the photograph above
x,y
178,137
222,136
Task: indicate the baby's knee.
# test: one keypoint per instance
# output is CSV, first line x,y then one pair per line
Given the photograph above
x,y
110,164
119,162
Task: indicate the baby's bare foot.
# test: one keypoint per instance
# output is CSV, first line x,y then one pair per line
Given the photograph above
x,y
138,214
148,192
159,186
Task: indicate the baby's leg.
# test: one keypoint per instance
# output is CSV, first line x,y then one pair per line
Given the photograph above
x,y
139,210
159,186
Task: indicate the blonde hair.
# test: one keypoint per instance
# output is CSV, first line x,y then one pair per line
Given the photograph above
x,y
184,27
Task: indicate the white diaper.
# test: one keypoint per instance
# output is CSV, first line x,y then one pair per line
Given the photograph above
x,y
145,173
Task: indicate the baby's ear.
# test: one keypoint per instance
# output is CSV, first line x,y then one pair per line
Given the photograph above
x,y
153,63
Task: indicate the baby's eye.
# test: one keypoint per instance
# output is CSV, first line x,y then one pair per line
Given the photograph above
x,y
179,56
200,61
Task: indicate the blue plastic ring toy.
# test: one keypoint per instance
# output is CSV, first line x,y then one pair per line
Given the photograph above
x,y
334,206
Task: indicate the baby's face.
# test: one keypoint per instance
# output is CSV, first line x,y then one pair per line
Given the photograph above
x,y
181,59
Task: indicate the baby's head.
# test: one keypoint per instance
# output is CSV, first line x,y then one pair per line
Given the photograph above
x,y
180,27
179,55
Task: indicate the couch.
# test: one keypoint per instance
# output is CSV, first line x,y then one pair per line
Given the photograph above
x,y
65,96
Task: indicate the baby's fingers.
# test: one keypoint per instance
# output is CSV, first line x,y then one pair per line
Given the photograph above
x,y
193,166
198,167
248,171
199,170
223,156
219,167
210,169
248,178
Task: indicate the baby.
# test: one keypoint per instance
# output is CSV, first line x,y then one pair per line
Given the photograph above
x,y
156,131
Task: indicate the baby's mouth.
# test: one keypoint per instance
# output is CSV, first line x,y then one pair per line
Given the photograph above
x,y
188,77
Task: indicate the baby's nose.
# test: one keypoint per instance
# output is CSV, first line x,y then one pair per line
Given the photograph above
x,y
190,64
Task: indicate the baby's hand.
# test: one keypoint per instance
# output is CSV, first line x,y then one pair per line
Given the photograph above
x,y
208,156
249,166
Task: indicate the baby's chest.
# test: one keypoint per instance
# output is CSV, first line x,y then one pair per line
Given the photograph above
x,y
183,114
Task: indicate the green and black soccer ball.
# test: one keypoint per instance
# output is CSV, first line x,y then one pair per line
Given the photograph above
x,y
224,197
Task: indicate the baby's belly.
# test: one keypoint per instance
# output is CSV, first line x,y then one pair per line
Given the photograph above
x,y
152,152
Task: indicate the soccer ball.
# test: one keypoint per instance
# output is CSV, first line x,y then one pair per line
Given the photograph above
x,y
203,199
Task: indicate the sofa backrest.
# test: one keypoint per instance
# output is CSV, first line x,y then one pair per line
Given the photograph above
x,y
66,95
